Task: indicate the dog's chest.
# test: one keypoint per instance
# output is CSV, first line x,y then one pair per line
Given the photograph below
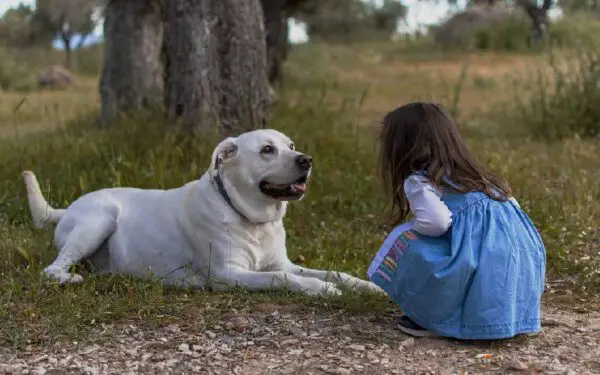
x,y
265,246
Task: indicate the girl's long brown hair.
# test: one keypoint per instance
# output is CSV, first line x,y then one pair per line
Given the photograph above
x,y
421,136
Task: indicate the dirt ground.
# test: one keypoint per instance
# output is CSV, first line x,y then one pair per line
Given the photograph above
x,y
272,341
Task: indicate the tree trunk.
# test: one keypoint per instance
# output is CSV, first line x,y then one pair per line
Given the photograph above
x,y
132,77
538,16
276,14
215,64
276,29
66,39
83,38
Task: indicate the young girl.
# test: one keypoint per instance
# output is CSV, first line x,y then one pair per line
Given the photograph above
x,y
470,265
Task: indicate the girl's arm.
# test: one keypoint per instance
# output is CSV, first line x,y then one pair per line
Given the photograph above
x,y
432,216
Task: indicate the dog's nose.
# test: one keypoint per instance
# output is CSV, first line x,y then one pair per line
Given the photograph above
x,y
304,162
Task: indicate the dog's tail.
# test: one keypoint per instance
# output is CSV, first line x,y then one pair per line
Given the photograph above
x,y
41,212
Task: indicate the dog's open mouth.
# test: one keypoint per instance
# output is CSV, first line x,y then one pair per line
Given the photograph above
x,y
285,191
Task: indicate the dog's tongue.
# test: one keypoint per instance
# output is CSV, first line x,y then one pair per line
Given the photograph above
x,y
300,187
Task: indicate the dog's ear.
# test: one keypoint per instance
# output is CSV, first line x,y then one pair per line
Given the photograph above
x,y
225,151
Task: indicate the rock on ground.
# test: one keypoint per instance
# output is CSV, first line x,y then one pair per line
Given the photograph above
x,y
274,342
55,76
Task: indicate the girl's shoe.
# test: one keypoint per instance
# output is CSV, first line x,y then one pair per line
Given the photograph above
x,y
409,327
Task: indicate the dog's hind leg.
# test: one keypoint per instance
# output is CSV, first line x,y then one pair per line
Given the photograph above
x,y
81,242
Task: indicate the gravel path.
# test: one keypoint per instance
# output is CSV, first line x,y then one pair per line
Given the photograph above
x,y
272,341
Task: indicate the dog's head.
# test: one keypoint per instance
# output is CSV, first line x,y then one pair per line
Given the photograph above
x,y
261,170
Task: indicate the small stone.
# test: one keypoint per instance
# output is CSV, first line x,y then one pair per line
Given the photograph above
x,y
13,369
549,322
65,361
238,322
516,365
297,331
184,347
89,350
356,347
341,371
172,328
210,334
406,343
40,358
289,342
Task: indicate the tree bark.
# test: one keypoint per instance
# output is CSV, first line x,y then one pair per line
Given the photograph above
x,y
276,29
66,39
215,64
132,77
538,16
276,14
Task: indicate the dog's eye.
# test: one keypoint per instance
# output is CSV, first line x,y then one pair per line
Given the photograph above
x,y
267,150
292,147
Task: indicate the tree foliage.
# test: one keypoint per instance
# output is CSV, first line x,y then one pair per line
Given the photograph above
x,y
344,20
64,19
580,5
25,26
15,27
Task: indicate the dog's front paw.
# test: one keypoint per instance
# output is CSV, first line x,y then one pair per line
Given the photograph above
x,y
330,289
373,288
61,276
353,283
323,288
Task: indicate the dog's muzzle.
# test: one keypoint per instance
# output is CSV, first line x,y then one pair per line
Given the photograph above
x,y
294,190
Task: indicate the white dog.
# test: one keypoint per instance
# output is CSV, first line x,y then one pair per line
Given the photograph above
x,y
221,231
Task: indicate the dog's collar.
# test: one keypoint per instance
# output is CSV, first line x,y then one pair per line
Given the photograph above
x,y
225,195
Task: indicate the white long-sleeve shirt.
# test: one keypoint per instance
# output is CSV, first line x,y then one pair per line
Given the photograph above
x,y
431,216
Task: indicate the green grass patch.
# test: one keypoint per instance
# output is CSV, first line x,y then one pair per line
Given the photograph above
x,y
561,101
15,75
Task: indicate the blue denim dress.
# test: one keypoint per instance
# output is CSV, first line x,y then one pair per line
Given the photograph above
x,y
483,279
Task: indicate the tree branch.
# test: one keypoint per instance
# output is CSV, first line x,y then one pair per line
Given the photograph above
x,y
547,4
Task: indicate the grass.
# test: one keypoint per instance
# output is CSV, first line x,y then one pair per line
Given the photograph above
x,y
32,112
564,104
333,95
163,159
